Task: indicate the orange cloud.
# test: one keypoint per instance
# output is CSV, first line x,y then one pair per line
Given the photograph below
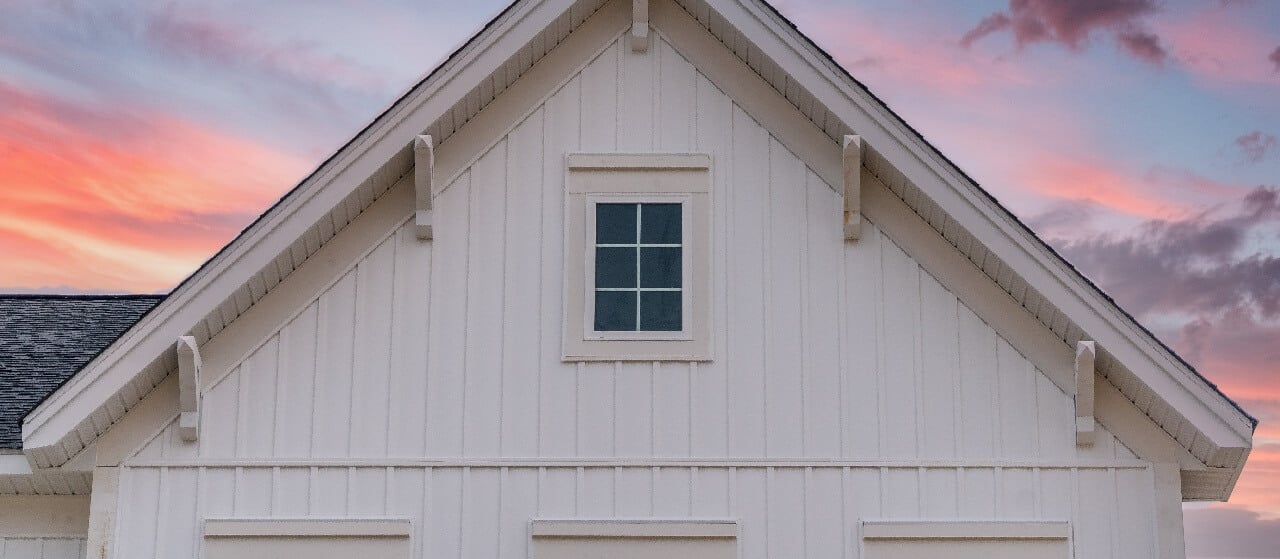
x,y
122,199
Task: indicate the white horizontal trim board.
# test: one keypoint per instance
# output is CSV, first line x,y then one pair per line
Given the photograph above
x,y
308,527
633,528
606,161
627,463
964,530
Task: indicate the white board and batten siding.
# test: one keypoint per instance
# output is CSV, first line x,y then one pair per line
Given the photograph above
x,y
41,548
427,383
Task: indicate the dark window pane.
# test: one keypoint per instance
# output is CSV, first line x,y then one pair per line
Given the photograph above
x,y
660,267
615,224
615,267
660,311
660,223
615,310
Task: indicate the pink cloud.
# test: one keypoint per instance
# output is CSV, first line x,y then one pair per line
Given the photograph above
x,y
1071,23
1221,45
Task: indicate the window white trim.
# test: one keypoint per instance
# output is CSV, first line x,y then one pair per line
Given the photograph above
x,y
637,178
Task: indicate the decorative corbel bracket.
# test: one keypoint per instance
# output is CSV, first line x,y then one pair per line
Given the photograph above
x,y
1086,353
639,25
424,163
852,157
188,388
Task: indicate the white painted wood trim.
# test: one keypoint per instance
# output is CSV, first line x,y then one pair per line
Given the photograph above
x,y
461,462
1170,536
638,528
639,26
424,164
624,161
308,527
1084,396
103,508
189,363
964,530
852,159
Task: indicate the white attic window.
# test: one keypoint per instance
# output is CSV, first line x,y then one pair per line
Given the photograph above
x,y
638,257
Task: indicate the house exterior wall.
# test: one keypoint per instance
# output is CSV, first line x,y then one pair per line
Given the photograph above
x,y
426,382
43,526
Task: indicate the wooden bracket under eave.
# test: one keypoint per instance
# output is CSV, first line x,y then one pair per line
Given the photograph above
x,y
852,157
639,25
424,163
1086,354
188,388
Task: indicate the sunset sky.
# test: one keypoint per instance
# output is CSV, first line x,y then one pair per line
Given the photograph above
x,y
1139,137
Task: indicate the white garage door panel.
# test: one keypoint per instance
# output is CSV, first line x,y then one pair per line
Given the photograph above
x,y
309,547
966,540
306,538
967,549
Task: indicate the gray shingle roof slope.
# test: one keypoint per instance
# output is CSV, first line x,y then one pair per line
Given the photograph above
x,y
46,339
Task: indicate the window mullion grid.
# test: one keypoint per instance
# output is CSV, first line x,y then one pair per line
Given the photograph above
x,y
638,239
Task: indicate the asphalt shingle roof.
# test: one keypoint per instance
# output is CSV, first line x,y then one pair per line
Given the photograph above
x,y
46,339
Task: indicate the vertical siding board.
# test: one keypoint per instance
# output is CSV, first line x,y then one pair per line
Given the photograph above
x,y
750,499
519,503
445,527
784,356
745,320
371,376
446,362
825,523
939,363
1094,521
482,531
596,408
253,492
709,393
978,488
1017,493
633,423
677,100
943,498
295,385
409,345
637,99
709,488
486,269
633,488
1017,400
520,334
557,399
333,374
218,434
598,493
863,293
977,384
823,374
672,384
599,106
786,512
900,329
1055,420
671,492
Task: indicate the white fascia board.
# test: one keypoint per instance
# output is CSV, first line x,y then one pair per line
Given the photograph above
x,y
1215,417
391,134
